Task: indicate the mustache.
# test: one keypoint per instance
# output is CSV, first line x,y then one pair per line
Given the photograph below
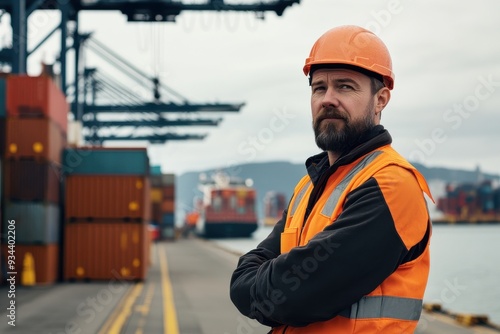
x,y
329,113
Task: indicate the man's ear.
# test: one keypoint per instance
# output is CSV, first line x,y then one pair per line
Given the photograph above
x,y
382,97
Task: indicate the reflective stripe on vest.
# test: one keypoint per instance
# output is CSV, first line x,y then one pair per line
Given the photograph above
x,y
297,200
370,307
334,197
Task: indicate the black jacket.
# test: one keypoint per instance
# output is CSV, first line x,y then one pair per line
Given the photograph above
x,y
279,289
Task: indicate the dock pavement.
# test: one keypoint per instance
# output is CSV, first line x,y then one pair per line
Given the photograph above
x,y
186,291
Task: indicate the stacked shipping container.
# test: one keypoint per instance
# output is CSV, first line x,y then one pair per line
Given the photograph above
x,y
471,202
163,204
106,214
2,153
35,134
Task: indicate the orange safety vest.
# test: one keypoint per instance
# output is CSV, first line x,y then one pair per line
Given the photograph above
x,y
394,307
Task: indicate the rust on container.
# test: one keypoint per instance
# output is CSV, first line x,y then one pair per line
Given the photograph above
x,y
94,197
38,138
45,262
31,180
36,96
104,250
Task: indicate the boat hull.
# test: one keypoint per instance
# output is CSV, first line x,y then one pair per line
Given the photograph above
x,y
229,229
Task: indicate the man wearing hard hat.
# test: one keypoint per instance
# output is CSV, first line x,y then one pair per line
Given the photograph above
x,y
351,252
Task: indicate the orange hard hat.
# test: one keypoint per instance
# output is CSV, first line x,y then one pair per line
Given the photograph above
x,y
352,46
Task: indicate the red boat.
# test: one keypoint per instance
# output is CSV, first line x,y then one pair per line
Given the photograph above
x,y
228,209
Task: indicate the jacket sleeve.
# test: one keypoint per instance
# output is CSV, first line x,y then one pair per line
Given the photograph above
x,y
243,277
341,264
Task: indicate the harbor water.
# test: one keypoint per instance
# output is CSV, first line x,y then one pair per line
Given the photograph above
x,y
465,267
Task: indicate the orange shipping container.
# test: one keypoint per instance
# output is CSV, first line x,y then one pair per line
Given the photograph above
x,y
107,197
106,250
36,96
34,138
43,262
168,206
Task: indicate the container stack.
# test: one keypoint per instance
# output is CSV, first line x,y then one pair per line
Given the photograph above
x,y
471,203
2,117
2,153
163,204
35,135
156,200
107,210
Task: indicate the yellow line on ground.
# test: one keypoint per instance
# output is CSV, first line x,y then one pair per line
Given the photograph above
x,y
114,314
170,325
144,308
126,310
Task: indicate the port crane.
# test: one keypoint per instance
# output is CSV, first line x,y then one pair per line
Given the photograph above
x,y
126,109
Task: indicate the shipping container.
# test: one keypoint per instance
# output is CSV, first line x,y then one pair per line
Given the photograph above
x,y
168,206
106,161
156,212
38,262
38,138
105,250
169,192
36,96
168,219
107,197
35,222
155,170
3,101
167,227
162,180
32,180
3,137
156,195
1,217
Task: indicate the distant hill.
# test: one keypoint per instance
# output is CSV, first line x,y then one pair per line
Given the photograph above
x,y
282,176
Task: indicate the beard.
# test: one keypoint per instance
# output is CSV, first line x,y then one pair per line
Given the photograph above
x,y
341,138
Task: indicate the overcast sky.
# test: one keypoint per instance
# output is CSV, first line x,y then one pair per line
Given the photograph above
x,y
444,111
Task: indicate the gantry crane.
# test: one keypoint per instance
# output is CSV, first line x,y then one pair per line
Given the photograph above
x,y
139,114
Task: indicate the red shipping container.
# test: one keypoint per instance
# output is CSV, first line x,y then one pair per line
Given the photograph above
x,y
38,138
31,180
169,192
43,262
106,250
107,197
36,96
